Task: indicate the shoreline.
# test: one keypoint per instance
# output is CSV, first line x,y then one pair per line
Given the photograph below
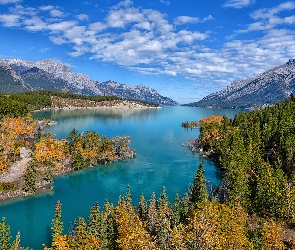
x,y
65,103
43,186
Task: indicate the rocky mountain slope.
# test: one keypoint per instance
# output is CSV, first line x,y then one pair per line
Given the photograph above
x,y
18,75
266,88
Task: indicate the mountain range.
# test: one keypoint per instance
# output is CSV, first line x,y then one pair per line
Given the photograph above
x,y
18,75
266,88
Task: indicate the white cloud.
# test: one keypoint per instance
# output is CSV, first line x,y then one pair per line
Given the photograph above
x,y
44,50
207,18
82,17
238,4
185,19
165,2
56,13
35,24
61,26
46,8
10,20
9,1
57,40
268,18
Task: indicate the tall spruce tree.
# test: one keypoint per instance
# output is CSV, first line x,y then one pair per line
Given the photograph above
x,y
198,191
57,224
94,221
30,178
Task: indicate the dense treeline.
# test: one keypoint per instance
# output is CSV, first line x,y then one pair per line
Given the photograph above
x,y
256,152
191,222
12,108
19,104
42,99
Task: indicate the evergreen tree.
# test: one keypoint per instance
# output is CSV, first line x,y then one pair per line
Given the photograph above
x,y
152,214
128,195
49,176
57,224
30,178
185,209
109,230
4,234
176,208
163,201
163,223
142,209
78,160
72,137
198,191
16,243
94,221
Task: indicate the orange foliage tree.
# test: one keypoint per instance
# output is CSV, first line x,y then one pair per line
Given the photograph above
x,y
13,134
49,149
217,226
132,232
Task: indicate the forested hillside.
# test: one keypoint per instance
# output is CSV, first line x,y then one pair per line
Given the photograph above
x,y
256,152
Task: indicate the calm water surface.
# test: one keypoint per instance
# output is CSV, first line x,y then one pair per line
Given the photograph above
x,y
161,160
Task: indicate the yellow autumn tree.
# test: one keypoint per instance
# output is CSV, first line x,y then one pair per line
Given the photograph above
x,y
49,149
13,134
272,236
3,164
217,226
61,243
132,232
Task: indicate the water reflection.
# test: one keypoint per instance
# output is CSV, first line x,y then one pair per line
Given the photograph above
x,y
83,113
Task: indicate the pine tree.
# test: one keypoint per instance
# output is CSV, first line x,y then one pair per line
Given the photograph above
x,y
198,191
78,160
4,234
176,208
142,209
185,209
16,243
30,178
109,230
49,176
152,214
163,201
163,223
94,221
72,137
128,195
57,224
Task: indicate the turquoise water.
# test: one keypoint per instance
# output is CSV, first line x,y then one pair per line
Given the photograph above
x,y
161,160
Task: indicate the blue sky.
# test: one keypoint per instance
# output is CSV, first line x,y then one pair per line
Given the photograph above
x,y
184,49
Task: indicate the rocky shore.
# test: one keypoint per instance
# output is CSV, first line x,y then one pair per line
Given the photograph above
x,y
15,174
195,146
66,103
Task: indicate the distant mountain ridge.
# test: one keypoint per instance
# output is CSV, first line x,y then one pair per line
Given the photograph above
x,y
18,75
266,88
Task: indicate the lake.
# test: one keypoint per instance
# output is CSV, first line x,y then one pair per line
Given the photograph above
x,y
161,160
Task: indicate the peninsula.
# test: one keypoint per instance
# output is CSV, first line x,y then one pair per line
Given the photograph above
x,y
29,159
